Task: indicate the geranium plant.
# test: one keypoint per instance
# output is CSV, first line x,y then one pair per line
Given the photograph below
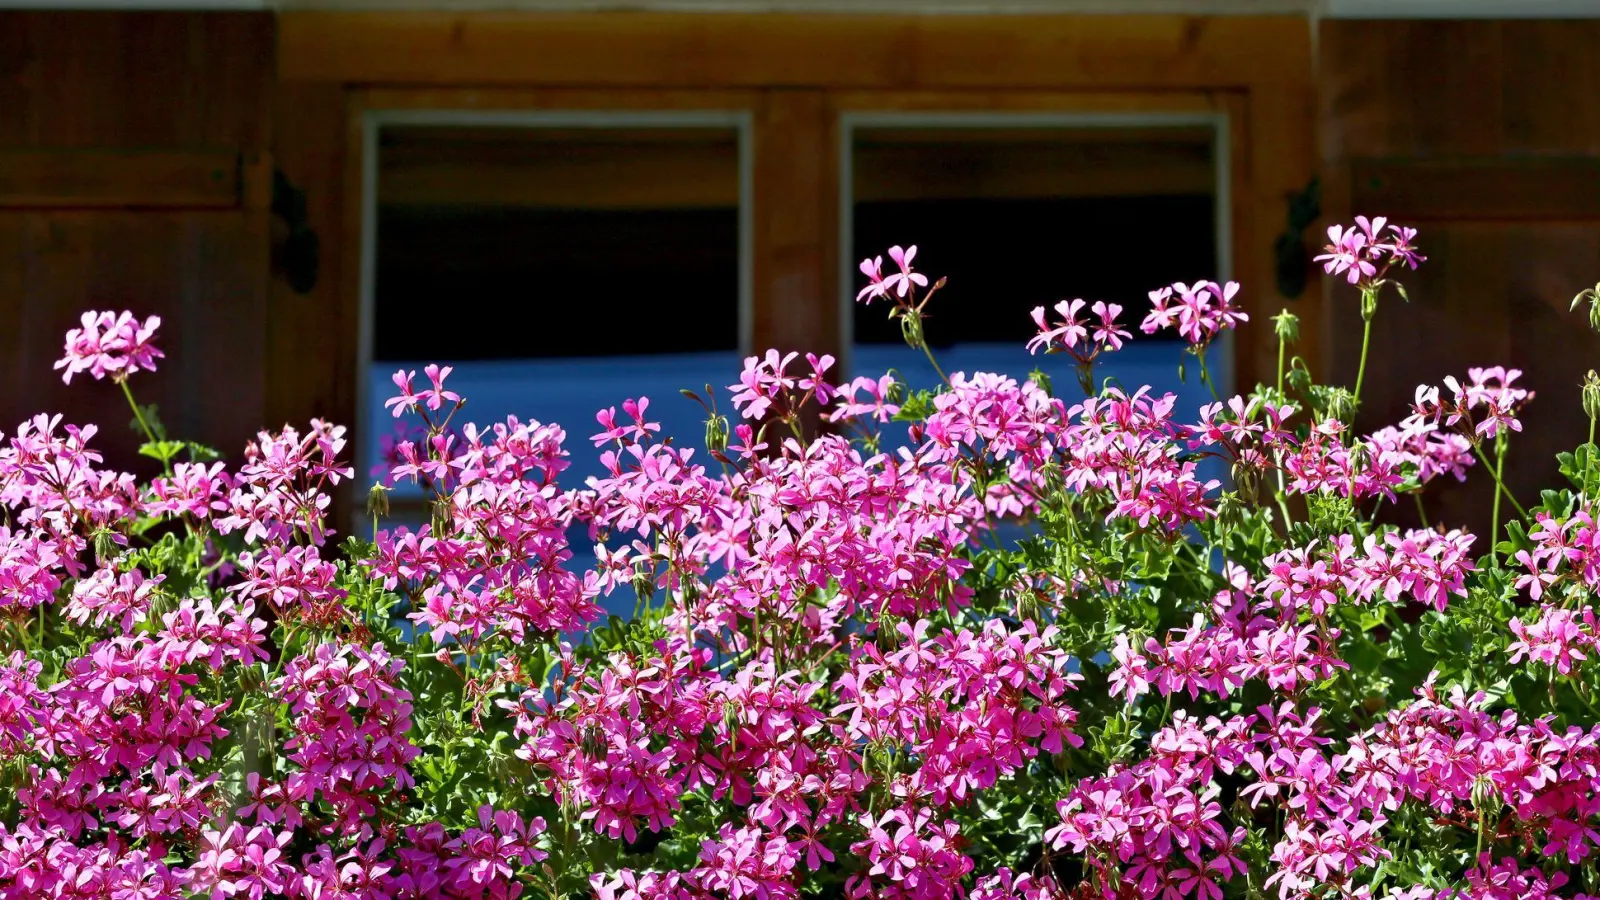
x,y
1031,652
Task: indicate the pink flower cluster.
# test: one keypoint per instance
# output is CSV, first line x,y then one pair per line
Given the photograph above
x,y
123,791
1084,340
108,343
961,712
1275,628
1484,407
1158,822
492,563
854,669
1198,312
1365,251
350,726
972,707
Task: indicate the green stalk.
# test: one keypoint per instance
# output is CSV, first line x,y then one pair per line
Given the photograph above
x,y
1283,503
933,362
1205,374
1366,342
138,415
1590,460
1496,471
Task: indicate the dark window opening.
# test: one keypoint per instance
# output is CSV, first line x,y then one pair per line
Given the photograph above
x,y
542,283
1003,257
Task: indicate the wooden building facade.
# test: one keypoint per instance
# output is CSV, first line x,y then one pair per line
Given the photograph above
x,y
139,151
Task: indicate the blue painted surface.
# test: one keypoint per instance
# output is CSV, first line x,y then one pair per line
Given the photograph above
x,y
569,391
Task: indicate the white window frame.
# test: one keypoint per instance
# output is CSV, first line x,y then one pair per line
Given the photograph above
x,y
740,122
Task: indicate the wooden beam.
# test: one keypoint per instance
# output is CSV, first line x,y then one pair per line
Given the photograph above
x,y
773,50
120,179
1275,158
796,230
890,169
581,173
1499,189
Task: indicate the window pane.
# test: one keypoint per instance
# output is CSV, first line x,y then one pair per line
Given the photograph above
x,y
559,270
1017,218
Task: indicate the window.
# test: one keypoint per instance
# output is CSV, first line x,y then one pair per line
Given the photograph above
x,y
1023,210
603,256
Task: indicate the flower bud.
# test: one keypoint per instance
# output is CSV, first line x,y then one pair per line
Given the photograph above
x,y
1027,602
1369,303
105,545
1341,404
731,714
1592,296
1245,480
644,583
593,741
1485,796
717,434
1591,395
911,329
377,500
896,394
1286,325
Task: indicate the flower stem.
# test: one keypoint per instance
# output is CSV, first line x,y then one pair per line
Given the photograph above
x,y
1496,472
1283,503
1361,367
1589,461
933,362
1205,374
138,414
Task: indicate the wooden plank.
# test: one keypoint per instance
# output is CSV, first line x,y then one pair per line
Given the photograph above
x,y
767,50
898,171
201,271
1279,160
796,228
653,174
1542,189
311,338
653,171
547,98
135,168
137,79
1500,164
1551,108
120,179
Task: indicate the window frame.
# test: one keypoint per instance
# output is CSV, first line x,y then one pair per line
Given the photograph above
x,y
373,120
850,121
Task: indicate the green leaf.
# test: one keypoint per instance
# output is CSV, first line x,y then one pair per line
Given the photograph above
x,y
162,451
200,452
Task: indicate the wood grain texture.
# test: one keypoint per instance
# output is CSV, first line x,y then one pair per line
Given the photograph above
x,y
787,50
1257,70
796,229
113,179
1453,125
117,122
1470,188
202,272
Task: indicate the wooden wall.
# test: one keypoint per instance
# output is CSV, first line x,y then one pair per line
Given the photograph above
x,y
134,173
1486,135
796,75
137,149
